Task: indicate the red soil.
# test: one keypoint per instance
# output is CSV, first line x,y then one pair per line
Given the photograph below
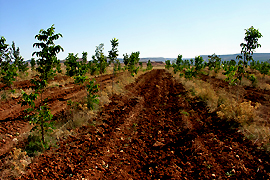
x,y
12,113
154,132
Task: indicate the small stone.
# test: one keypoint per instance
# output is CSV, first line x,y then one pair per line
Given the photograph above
x,y
157,143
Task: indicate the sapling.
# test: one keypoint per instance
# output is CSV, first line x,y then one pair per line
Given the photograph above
x,y
132,61
113,53
251,38
100,59
149,65
18,59
8,71
46,65
168,64
264,68
214,62
92,88
71,64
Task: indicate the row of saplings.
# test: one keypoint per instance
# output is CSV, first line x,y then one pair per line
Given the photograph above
x,y
234,71
46,67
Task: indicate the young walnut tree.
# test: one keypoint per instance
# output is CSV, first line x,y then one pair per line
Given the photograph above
x,y
47,64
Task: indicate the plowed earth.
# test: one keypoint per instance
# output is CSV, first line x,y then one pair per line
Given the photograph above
x,y
12,114
154,132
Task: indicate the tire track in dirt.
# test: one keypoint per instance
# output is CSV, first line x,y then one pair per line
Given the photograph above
x,y
155,132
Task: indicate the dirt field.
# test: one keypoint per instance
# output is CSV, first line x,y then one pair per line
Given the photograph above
x,y
155,131
12,115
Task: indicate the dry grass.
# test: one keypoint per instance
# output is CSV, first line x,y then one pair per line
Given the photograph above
x,y
258,133
200,89
7,95
263,81
243,113
229,109
15,164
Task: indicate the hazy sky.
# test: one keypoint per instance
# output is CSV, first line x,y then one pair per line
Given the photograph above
x,y
153,27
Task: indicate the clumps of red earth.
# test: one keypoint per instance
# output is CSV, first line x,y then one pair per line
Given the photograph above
x,y
153,132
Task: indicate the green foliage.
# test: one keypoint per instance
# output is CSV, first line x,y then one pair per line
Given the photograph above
x,y
33,64
35,145
92,89
264,68
8,71
47,56
251,38
178,65
79,79
72,66
134,58
190,72
126,59
131,62
29,100
46,65
8,74
84,57
199,63
253,79
168,64
18,60
191,62
179,60
214,63
149,65
141,65
76,69
230,73
113,53
92,67
100,59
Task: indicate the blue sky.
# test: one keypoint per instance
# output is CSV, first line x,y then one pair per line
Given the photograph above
x,y
153,27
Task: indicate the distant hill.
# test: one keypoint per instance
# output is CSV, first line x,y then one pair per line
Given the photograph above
x,y
227,57
256,56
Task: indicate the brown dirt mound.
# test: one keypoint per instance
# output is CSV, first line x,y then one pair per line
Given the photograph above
x,y
155,132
